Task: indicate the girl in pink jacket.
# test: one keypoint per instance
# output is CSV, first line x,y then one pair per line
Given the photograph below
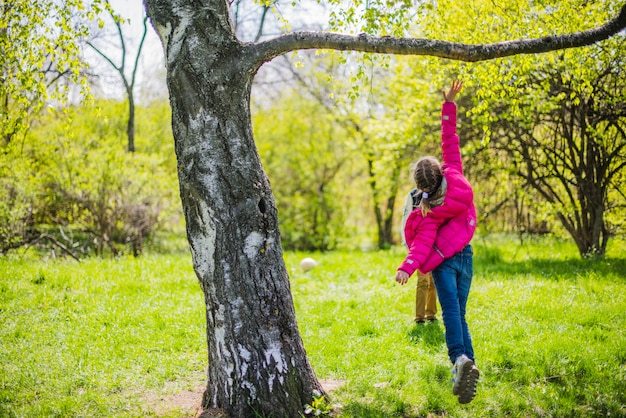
x,y
438,234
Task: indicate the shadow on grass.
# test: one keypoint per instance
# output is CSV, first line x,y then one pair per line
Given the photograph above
x,y
430,334
570,268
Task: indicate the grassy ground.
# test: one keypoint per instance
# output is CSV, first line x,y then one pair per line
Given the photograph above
x,y
125,338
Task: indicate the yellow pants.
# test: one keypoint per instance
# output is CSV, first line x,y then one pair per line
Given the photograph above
x,y
425,298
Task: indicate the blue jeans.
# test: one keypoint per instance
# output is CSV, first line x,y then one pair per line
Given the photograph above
x,y
453,279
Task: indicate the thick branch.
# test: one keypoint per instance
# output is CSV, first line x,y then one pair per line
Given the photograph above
x,y
270,49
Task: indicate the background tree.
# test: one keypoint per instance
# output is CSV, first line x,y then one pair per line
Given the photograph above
x,y
83,194
127,80
309,162
39,62
554,120
36,54
375,102
565,137
257,363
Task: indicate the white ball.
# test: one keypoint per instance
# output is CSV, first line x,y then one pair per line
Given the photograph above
x,y
307,264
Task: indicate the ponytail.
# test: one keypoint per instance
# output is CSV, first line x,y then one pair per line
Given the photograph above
x,y
428,178
425,204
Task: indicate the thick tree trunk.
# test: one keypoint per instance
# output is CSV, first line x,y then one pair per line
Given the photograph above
x,y
257,362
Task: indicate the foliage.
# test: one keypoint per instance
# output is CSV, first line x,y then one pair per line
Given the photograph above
x,y
396,121
111,337
39,48
309,165
75,178
318,407
549,128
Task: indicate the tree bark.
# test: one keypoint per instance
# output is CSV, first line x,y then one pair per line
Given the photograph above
x,y
257,362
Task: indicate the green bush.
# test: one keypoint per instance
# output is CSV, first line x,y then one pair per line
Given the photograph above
x,y
81,190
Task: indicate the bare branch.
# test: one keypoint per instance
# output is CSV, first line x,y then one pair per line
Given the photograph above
x,y
143,38
263,15
270,49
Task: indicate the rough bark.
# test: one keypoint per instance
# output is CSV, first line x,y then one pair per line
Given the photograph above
x,y
257,362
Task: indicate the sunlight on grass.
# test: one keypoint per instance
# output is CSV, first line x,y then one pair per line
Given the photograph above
x,y
548,330
109,337
85,339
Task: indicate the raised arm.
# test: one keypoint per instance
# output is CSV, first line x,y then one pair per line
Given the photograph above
x,y
456,87
450,147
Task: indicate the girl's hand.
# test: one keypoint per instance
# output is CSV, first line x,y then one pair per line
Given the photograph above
x,y
402,277
454,89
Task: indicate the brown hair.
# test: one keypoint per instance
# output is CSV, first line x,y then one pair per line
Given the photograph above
x,y
428,177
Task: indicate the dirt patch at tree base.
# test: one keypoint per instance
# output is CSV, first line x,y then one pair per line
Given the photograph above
x,y
189,402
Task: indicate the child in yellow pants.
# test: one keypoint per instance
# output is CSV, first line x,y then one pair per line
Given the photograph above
x,y
425,299
425,294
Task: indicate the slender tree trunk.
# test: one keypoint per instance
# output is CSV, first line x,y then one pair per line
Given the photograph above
x,y
130,127
257,362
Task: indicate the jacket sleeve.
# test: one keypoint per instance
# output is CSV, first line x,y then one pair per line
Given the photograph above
x,y
450,147
421,245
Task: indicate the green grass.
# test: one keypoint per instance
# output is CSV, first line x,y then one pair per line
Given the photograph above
x,y
92,339
105,338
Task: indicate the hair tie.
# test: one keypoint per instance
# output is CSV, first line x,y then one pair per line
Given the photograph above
x,y
424,195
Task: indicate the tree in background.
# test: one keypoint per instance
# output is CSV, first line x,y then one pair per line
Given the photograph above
x,y
257,363
565,136
385,115
83,194
309,163
39,57
39,62
555,121
128,81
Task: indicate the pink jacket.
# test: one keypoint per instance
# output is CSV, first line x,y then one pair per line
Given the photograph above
x,y
450,227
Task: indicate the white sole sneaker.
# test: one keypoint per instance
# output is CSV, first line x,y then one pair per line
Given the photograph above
x,y
462,367
467,394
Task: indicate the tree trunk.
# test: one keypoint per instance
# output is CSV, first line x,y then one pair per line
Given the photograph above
x,y
130,126
257,361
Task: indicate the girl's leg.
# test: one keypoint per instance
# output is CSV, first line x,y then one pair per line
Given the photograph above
x,y
464,282
445,278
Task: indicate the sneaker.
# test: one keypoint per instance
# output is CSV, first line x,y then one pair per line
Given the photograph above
x,y
467,395
462,368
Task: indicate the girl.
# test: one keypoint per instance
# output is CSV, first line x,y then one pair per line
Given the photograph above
x,y
438,234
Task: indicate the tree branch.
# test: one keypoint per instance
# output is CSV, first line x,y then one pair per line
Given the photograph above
x,y
143,38
270,49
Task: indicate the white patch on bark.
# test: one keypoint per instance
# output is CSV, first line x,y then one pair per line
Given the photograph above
x,y
164,34
274,352
203,242
253,244
220,330
201,125
222,352
178,35
245,356
236,314
250,387
244,353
